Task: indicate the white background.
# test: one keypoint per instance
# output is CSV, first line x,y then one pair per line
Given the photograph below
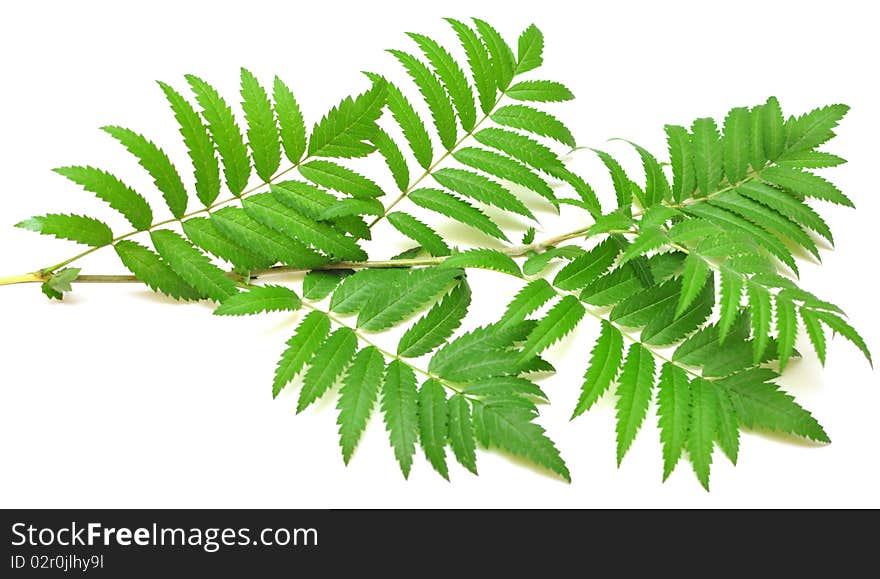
x,y
118,398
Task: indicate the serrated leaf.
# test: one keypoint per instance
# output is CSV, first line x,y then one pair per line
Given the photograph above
x,y
117,194
667,328
457,209
349,206
502,59
731,296
544,91
393,158
673,411
190,264
506,168
760,404
357,397
503,386
461,432
407,295
157,164
317,285
641,308
815,332
478,60
434,94
656,186
586,268
648,240
264,241
681,156
707,155
534,121
345,131
401,412
225,133
538,262
356,290
262,131
301,347
203,233
602,369
511,428
268,210
613,287
529,299
523,148
419,232
813,128
620,180
772,128
727,429
760,307
437,325
634,391
452,76
703,425
559,321
259,299
530,49
60,281
334,176
806,184
327,365
198,144
735,144
810,159
433,425
786,329
78,228
490,259
842,327
481,189
757,155
472,346
409,121
693,279
155,273
291,127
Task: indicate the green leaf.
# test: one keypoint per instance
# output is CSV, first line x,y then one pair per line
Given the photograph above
x,y
433,424
264,241
620,180
634,391
480,65
538,262
60,281
410,123
586,268
434,94
510,427
506,168
842,327
437,325
735,143
602,369
393,158
681,155
773,129
503,386
268,210
806,184
262,131
259,299
357,397
155,273
461,432
419,232
523,148
648,240
703,425
667,328
656,186
543,91
501,56
225,132
490,259
645,305
301,347
757,155
157,164
814,128
79,228
409,294
530,49
452,76
203,233
760,309
707,155
345,131
457,209
559,321
292,128
613,287
534,121
786,328
731,296
317,285
673,410
326,366
401,412
117,194
481,189
198,144
529,299
339,178
693,279
727,429
815,332
356,290
351,206
810,159
473,346
760,404
190,264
